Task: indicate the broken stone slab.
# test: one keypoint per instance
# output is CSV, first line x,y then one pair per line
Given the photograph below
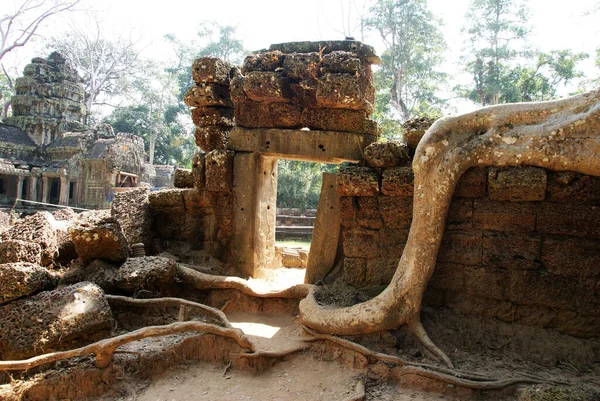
x,y
262,61
398,181
132,210
183,178
269,87
387,154
202,95
345,91
252,114
212,137
13,251
357,181
54,320
219,171
99,239
166,198
414,129
211,70
205,116
339,120
291,258
21,279
66,214
301,65
39,228
327,46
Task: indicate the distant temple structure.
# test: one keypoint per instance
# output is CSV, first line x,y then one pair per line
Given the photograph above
x,y
48,154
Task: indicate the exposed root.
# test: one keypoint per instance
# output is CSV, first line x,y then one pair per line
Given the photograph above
x,y
450,376
359,392
184,305
105,349
273,354
203,281
416,327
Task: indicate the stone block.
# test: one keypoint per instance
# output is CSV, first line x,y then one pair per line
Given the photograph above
x,y
380,271
571,187
448,276
577,324
487,282
462,247
368,215
213,137
460,214
357,181
504,216
396,211
414,129
517,184
354,271
263,61
206,116
183,178
202,95
465,304
531,315
301,66
267,115
145,273
569,219
571,256
20,279
304,93
211,70
472,184
219,171
348,209
343,91
398,181
324,47
236,89
268,87
531,287
341,62
132,210
49,320
361,243
387,154
511,251
99,239
339,120
13,251
166,198
392,241
198,171
196,202
38,228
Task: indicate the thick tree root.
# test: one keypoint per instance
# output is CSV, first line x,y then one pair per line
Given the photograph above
x,y
562,135
273,354
184,306
203,281
450,376
105,349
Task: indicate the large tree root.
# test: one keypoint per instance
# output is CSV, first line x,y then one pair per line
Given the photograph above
x,y
203,281
450,376
184,306
105,349
562,135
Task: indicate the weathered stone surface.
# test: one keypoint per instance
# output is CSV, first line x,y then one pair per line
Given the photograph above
x,y
398,181
12,251
462,247
20,279
414,129
50,320
368,215
341,62
448,276
301,65
328,46
531,287
211,70
166,198
567,186
219,171
396,211
339,120
132,210
387,154
354,271
202,95
472,184
66,247
293,259
206,116
4,222
304,93
348,209
99,239
38,228
65,214
487,282
460,215
511,251
360,243
263,61
504,216
183,178
357,181
145,273
212,137
198,171
269,87
380,270
517,184
569,219
571,256
267,115
344,91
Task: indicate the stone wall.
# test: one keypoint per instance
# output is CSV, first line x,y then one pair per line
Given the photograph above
x,y
521,244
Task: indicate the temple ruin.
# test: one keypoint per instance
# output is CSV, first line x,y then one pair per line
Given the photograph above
x,y
460,262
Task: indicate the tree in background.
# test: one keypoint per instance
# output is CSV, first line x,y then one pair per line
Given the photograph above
x,y
497,57
299,183
408,80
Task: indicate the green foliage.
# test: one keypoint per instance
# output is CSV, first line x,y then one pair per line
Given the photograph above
x,y
299,183
407,81
6,92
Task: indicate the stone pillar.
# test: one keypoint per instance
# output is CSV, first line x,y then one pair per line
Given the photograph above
x,y
63,198
20,180
32,188
45,189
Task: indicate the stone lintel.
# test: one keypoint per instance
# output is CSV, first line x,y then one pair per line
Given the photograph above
x,y
313,146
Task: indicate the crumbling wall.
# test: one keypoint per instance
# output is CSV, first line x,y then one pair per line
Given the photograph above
x,y
521,244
